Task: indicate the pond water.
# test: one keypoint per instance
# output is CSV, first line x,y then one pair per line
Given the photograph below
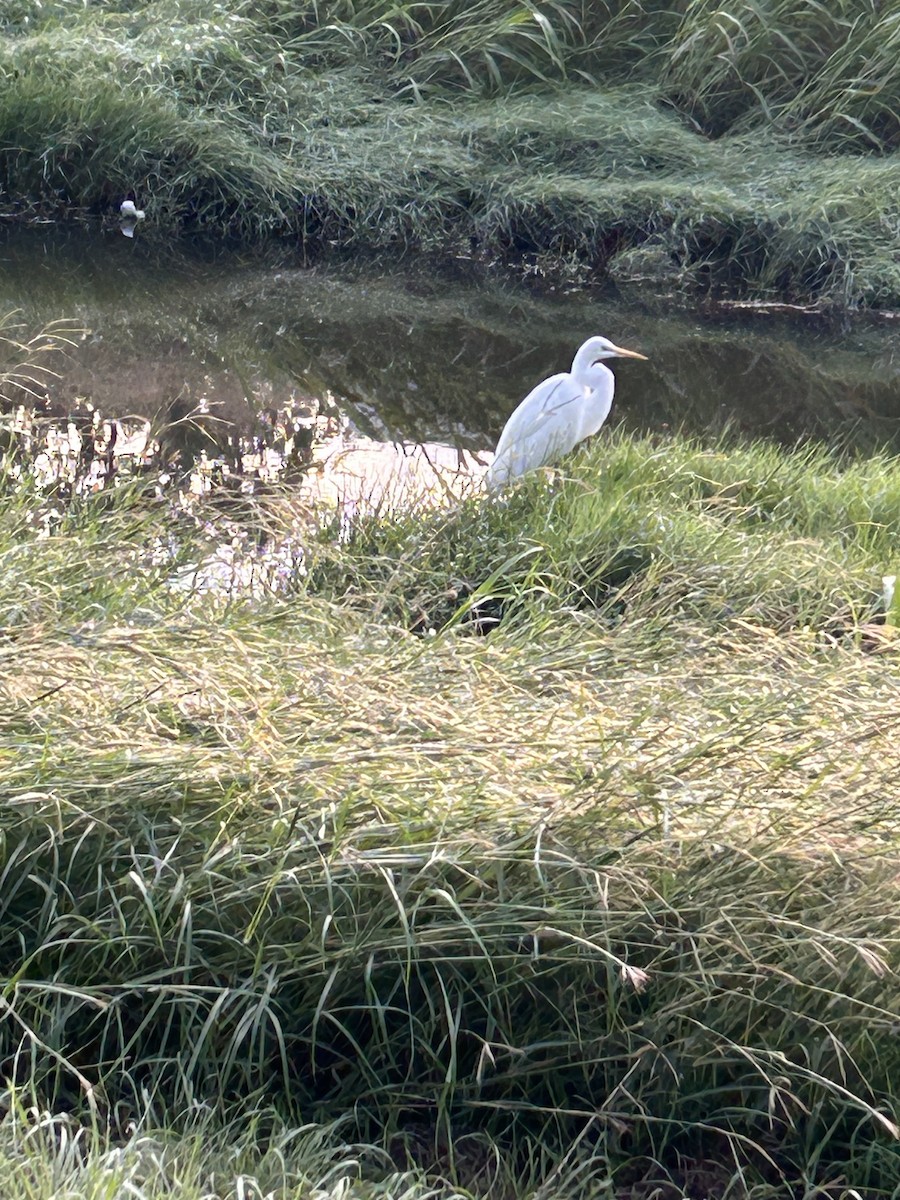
x,y
412,350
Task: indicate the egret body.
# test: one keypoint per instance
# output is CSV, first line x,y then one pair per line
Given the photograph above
x,y
128,209
558,414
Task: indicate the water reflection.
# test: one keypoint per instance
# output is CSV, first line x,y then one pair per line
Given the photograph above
x,y
222,346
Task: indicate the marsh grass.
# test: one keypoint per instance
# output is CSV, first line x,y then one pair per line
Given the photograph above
x,y
46,1154
605,895
750,529
828,72
568,131
29,359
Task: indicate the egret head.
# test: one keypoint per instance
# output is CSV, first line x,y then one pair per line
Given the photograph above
x,y
596,349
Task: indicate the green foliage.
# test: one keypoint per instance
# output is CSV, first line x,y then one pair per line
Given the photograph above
x,y
51,1154
828,71
632,854
783,539
563,130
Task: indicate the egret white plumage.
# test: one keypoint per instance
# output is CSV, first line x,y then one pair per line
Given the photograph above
x,y
128,209
559,413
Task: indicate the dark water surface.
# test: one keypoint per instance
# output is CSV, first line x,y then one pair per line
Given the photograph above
x,y
419,351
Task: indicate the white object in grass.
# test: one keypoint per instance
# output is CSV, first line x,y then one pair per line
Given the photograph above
x,y
559,413
888,586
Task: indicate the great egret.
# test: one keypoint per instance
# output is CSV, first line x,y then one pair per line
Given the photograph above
x,y
559,413
128,209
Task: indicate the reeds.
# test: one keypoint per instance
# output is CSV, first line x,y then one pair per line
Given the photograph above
x,y
27,360
608,891
749,146
826,72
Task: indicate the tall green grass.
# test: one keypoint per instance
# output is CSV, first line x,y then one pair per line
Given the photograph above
x,y
827,72
51,1154
736,143
607,895
788,540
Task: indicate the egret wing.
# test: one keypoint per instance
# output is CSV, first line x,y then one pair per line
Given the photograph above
x,y
545,425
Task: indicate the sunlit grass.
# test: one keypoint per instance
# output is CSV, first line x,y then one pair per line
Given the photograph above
x,y
254,1156
789,539
499,129
627,863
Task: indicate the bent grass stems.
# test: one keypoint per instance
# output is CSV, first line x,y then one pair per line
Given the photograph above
x,y
563,136
633,853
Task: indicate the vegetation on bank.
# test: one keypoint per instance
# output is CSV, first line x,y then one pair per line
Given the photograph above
x,y
603,893
744,147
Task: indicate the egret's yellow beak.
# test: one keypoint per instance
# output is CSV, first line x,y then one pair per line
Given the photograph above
x,y
630,354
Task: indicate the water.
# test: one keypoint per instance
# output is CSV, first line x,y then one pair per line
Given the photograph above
x,y
219,340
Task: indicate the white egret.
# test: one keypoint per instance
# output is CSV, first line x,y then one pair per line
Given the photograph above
x,y
559,413
128,209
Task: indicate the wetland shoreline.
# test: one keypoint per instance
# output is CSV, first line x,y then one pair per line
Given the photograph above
x,y
544,847
613,148
609,765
